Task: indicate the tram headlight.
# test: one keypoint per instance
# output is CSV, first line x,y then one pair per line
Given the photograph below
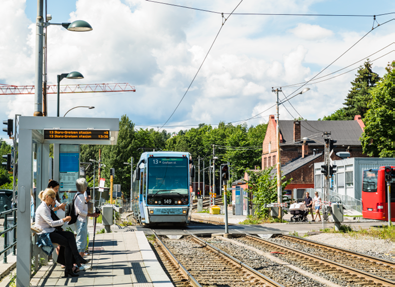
x,y
156,202
179,202
151,212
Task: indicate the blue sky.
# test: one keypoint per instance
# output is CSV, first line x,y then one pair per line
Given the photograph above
x,y
159,49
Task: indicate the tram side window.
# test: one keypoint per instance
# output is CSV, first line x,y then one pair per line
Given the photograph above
x,y
370,181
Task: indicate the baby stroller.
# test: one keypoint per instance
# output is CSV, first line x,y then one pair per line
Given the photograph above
x,y
299,212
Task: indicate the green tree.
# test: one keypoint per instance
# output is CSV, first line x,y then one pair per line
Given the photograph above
x,y
5,177
338,115
378,138
263,186
359,95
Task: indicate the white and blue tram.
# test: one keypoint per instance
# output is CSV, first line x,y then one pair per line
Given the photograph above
x,y
161,188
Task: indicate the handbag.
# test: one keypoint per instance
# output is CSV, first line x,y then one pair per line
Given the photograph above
x,y
55,218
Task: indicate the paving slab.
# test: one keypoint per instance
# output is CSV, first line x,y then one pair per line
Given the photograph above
x,y
120,259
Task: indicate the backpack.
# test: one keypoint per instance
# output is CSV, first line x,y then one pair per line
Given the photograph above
x,y
70,210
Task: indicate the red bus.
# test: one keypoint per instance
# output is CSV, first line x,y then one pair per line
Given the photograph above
x,y
374,194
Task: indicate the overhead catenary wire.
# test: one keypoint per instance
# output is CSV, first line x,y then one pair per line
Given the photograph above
x,y
271,14
201,65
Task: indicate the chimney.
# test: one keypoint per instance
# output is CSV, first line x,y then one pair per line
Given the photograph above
x,y
305,150
297,131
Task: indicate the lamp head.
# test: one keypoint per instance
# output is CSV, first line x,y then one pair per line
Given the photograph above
x,y
91,107
305,90
78,26
75,75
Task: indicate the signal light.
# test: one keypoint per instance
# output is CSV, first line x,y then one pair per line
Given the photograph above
x,y
324,169
332,169
387,172
332,144
10,127
112,171
7,164
224,172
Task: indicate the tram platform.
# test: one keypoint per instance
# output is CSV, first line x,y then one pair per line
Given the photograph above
x,y
122,258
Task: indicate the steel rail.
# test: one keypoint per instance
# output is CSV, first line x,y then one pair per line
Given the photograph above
x,y
177,263
249,269
338,249
338,266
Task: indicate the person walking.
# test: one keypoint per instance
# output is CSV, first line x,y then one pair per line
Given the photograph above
x,y
49,226
81,208
317,205
309,205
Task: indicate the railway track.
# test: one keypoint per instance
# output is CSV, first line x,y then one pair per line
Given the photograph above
x,y
193,262
376,266
334,269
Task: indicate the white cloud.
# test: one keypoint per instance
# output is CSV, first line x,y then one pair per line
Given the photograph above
x,y
159,49
311,32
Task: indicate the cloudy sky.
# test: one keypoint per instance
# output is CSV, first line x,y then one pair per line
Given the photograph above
x,y
159,48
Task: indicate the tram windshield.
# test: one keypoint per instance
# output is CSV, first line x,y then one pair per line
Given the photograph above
x,y
370,180
167,175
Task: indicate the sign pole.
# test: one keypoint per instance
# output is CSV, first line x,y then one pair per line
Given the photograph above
x,y
111,181
226,208
389,202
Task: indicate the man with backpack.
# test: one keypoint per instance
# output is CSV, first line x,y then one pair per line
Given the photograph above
x,y
81,211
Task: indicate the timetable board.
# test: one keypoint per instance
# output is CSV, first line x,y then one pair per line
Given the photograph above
x,y
77,134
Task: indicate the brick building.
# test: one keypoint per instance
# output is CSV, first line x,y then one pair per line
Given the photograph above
x,y
298,157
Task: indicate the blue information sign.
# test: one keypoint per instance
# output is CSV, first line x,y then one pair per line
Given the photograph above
x,y
69,162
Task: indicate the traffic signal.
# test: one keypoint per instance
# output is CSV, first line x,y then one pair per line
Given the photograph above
x,y
112,171
10,127
332,144
7,164
332,169
324,169
387,172
224,172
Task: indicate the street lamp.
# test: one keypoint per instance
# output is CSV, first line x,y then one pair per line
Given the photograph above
x,y
279,190
88,107
75,26
72,75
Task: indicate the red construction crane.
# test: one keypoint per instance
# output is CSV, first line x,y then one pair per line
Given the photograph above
x,y
68,89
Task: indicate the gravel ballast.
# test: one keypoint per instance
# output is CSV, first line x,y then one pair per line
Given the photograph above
x,y
379,248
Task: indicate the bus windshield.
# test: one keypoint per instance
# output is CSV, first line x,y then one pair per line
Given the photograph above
x,y
168,175
370,180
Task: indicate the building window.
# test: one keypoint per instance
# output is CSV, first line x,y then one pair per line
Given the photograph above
x,y
264,163
270,147
349,179
274,160
340,179
269,161
318,181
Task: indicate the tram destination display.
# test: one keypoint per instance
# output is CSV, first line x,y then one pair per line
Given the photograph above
x,y
77,134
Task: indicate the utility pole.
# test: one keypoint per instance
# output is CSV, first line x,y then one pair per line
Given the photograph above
x,y
39,60
131,183
209,181
327,140
214,173
279,191
204,181
198,189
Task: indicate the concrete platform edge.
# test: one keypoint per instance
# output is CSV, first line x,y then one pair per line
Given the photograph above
x,y
152,265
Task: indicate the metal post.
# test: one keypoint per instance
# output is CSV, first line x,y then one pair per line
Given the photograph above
x,y
111,181
5,234
226,208
389,202
131,183
58,94
204,181
209,181
213,174
279,191
14,248
198,189
94,183
45,51
326,182
14,150
39,60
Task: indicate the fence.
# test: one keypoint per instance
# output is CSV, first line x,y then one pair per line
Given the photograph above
x,y
7,230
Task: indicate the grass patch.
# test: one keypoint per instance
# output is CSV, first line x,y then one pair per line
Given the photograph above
x,y
126,223
101,231
151,237
260,220
204,211
99,219
382,232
